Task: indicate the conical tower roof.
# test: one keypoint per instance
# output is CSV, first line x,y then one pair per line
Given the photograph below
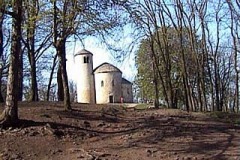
x,y
82,52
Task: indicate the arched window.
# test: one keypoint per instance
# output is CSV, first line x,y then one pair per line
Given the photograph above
x,y
102,83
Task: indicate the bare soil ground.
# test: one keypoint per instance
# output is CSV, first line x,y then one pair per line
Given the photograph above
x,y
112,132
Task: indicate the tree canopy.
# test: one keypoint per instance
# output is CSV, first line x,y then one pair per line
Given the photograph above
x,y
191,47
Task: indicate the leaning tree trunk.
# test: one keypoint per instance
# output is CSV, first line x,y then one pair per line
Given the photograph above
x,y
51,76
9,116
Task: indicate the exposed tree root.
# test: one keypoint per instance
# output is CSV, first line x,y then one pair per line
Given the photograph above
x,y
4,120
7,121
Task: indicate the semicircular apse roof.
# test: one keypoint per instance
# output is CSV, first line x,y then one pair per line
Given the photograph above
x,y
105,68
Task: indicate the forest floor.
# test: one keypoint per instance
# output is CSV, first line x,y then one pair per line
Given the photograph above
x,y
94,132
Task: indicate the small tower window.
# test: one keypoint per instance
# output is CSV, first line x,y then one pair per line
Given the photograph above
x,y
102,83
86,59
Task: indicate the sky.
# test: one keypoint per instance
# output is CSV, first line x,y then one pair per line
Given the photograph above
x,y
100,55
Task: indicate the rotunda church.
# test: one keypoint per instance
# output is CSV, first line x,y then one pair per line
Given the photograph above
x,y
104,84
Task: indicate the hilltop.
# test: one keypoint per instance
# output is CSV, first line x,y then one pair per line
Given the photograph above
x,y
117,132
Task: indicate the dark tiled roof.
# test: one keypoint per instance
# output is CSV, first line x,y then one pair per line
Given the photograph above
x,y
105,68
124,81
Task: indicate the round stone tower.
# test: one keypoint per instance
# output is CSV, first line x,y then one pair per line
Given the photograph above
x,y
85,77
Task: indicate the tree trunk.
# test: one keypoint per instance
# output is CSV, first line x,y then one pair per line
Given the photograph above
x,y
235,38
67,103
216,86
60,91
59,41
51,77
31,31
1,97
9,116
61,52
34,87
20,75
155,81
1,54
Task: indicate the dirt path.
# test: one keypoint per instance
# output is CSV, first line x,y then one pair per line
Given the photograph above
x,y
109,132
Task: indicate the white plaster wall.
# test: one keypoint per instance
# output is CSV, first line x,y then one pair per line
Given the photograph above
x,y
103,92
127,93
85,79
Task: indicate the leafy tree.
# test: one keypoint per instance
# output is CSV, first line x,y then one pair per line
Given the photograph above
x,y
144,76
190,66
173,73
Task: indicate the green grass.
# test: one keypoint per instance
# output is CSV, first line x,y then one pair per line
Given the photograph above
x,y
226,117
219,115
142,106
